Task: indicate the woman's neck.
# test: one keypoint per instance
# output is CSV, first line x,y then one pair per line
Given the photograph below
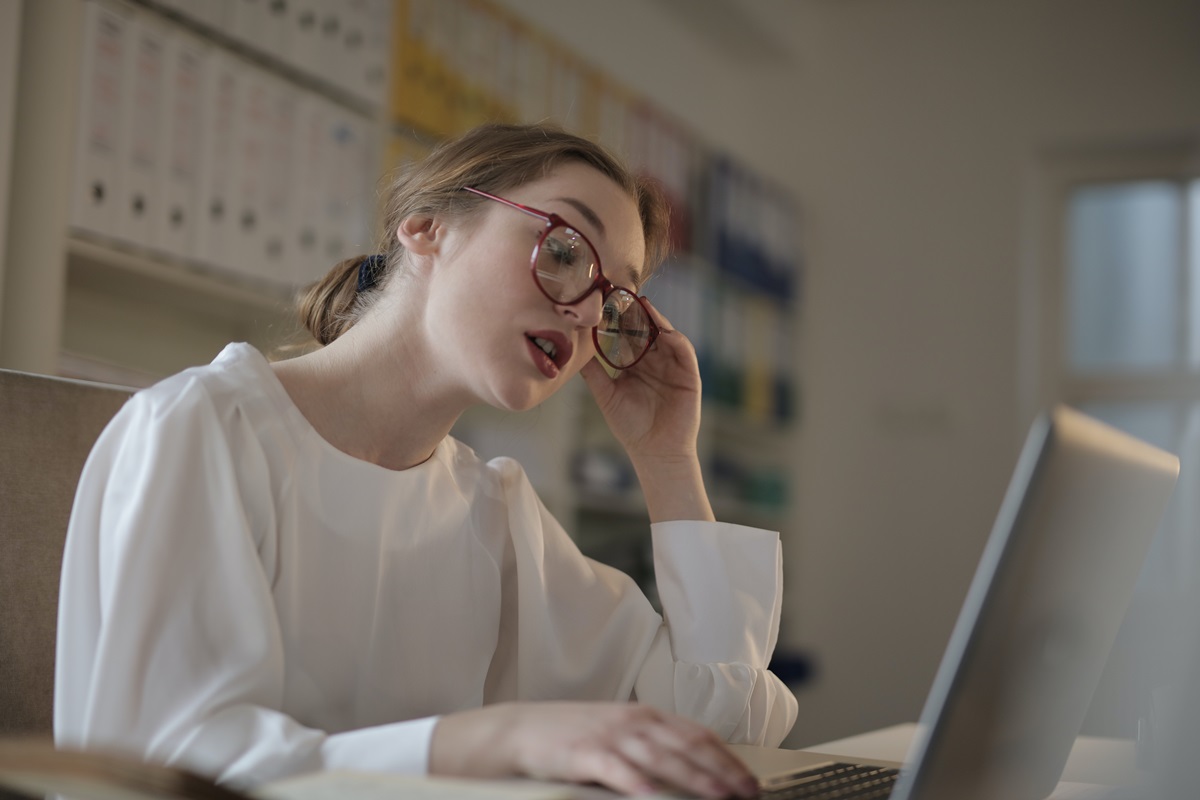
x,y
373,396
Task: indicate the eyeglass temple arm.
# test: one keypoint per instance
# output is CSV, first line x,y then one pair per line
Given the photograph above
x,y
524,209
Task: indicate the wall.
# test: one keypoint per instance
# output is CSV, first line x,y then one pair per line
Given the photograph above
x,y
10,25
912,134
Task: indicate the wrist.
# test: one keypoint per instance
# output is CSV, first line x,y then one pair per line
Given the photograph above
x,y
674,489
664,464
474,743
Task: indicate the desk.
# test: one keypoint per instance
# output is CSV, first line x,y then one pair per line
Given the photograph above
x,y
1095,762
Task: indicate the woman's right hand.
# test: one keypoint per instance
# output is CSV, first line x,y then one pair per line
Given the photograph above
x,y
631,748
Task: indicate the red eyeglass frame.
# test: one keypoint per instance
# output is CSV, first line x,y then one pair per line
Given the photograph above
x,y
599,283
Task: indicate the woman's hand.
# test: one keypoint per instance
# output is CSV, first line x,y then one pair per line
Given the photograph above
x,y
630,748
653,408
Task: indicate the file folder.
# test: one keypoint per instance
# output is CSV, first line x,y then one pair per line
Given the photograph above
x,y
139,182
302,34
279,163
248,22
311,148
94,195
216,212
249,171
181,129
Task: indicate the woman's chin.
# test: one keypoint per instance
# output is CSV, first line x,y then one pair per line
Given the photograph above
x,y
520,397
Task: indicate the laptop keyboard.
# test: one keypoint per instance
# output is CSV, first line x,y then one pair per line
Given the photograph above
x,y
836,782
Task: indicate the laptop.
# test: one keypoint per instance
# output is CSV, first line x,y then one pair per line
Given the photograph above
x,y
1034,631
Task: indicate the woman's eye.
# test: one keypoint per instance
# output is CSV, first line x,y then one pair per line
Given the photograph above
x,y
562,252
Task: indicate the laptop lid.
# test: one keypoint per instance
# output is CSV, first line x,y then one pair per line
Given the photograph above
x,y
1041,614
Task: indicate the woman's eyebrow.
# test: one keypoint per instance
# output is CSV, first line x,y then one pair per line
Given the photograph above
x,y
592,217
583,208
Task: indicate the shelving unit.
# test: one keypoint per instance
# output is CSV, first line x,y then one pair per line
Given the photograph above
x,y
104,308
76,294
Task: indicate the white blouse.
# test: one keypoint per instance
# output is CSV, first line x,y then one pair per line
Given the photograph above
x,y
241,598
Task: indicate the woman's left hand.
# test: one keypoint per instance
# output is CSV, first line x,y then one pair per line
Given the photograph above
x,y
653,408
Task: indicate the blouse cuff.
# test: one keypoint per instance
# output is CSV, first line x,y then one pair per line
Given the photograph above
x,y
395,747
721,590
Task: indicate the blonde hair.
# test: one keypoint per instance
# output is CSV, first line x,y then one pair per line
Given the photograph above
x,y
492,157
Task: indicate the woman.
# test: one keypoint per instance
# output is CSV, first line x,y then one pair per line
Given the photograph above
x,y
278,568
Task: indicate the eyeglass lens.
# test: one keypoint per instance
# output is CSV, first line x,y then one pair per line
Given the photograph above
x,y
566,268
624,330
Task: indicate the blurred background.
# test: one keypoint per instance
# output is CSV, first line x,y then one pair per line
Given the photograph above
x,y
902,229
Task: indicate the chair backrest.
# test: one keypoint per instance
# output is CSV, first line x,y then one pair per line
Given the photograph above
x,y
47,428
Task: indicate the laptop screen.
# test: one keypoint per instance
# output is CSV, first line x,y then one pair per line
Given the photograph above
x,y
1042,612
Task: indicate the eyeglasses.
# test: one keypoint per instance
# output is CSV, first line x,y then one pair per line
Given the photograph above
x,y
566,268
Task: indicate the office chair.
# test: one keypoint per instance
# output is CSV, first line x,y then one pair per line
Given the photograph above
x,y
47,428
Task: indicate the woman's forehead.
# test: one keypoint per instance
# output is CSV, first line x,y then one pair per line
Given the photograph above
x,y
598,206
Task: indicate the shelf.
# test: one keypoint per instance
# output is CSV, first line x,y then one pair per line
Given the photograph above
x,y
312,81
114,267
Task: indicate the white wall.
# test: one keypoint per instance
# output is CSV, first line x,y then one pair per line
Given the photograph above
x,y
909,132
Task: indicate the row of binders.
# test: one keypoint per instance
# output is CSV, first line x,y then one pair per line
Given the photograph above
x,y
187,149
461,62
742,338
344,44
750,230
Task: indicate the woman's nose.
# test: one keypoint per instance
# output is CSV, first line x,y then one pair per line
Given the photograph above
x,y
587,312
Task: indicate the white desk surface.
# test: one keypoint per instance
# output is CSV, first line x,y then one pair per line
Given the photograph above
x,y
1095,761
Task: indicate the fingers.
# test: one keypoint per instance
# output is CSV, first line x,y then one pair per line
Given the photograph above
x,y
612,770
653,749
705,753
690,770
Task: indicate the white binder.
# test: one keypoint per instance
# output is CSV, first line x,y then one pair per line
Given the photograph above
x,y
251,141
139,181
312,148
337,184
302,34
247,22
350,56
216,209
326,62
275,259
94,197
181,149
362,170
373,62
276,22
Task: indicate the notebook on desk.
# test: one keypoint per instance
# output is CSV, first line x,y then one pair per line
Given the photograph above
x,y
1034,631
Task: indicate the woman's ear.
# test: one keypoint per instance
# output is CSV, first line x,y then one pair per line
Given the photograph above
x,y
421,234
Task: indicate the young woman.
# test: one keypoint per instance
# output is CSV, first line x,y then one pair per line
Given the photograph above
x,y
282,567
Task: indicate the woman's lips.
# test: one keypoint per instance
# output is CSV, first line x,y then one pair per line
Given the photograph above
x,y
563,349
541,360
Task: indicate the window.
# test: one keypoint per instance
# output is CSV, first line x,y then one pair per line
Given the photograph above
x,y
1131,336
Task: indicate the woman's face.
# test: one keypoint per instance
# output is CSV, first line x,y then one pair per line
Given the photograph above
x,y
489,323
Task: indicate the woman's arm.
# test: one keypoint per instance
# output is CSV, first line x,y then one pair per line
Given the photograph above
x,y
720,585
168,641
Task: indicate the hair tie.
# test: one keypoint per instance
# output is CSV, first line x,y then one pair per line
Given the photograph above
x,y
369,270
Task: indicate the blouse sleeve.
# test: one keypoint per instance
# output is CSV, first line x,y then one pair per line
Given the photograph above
x,y
587,631
168,641
721,588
